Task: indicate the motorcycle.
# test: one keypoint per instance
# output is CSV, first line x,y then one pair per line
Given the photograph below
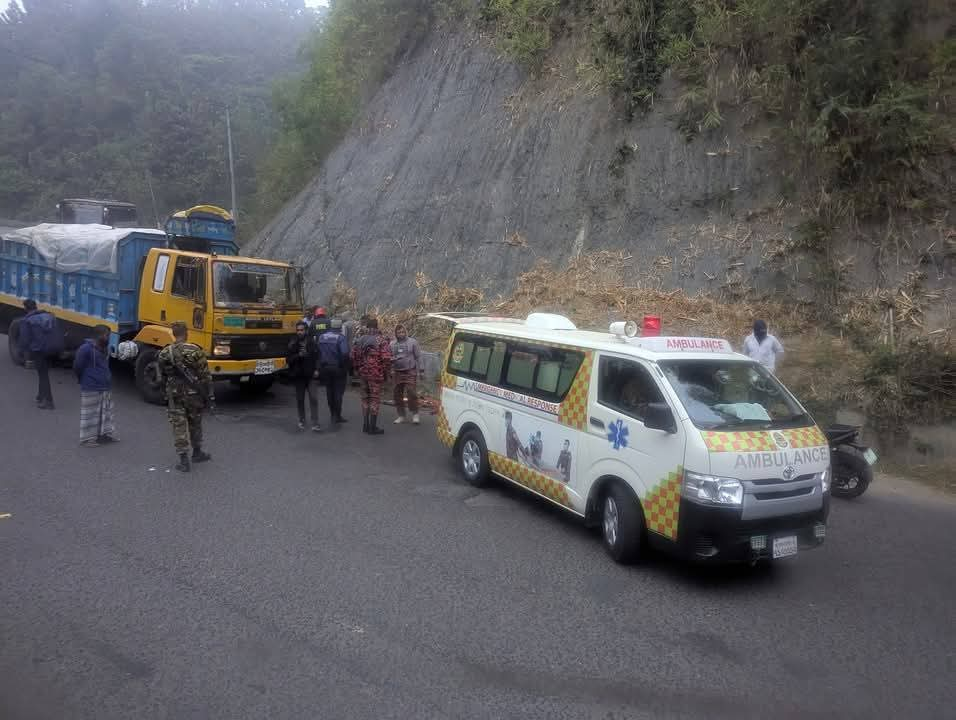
x,y
851,462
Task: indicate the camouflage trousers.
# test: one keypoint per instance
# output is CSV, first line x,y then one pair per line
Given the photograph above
x,y
185,415
371,396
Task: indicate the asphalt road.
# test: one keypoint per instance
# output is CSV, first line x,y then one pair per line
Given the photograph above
x,y
342,576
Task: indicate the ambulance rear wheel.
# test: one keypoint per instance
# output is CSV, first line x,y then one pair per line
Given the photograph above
x,y
473,458
622,524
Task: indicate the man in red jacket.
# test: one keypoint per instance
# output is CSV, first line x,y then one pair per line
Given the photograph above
x,y
372,360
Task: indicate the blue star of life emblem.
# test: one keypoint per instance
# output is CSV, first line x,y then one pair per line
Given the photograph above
x,y
617,434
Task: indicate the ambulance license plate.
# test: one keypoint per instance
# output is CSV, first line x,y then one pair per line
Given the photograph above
x,y
869,456
265,367
785,546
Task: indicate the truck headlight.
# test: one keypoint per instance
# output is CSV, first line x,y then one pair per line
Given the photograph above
x,y
711,490
221,348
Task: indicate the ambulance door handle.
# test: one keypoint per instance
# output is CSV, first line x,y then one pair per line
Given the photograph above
x,y
599,424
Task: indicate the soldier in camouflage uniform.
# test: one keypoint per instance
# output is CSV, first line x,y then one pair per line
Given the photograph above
x,y
372,359
189,392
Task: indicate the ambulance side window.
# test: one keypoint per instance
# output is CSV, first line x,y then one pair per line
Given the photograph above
x,y
540,371
477,357
627,387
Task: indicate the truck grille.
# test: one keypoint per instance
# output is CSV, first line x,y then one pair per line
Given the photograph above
x,y
258,347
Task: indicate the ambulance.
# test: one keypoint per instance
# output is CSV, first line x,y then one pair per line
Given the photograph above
x,y
674,443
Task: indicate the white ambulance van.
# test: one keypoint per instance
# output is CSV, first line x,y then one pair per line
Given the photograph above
x,y
675,442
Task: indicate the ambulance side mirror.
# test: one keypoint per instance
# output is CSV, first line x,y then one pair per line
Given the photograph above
x,y
658,416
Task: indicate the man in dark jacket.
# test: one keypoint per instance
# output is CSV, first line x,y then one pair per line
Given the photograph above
x,y
333,366
302,358
372,359
36,341
92,369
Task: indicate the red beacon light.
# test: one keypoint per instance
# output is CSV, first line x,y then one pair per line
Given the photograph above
x,y
651,326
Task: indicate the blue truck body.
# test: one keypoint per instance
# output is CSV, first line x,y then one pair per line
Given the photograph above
x,y
84,297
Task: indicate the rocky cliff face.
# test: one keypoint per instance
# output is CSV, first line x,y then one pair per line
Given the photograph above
x,y
468,171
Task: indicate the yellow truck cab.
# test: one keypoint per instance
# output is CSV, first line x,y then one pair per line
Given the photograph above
x,y
242,311
675,442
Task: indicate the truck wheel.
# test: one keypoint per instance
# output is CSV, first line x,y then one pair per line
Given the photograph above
x,y
622,524
473,459
13,340
148,379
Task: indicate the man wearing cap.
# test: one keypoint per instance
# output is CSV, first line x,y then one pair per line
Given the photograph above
x,y
320,321
333,365
188,392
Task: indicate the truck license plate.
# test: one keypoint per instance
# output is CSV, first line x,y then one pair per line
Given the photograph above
x,y
869,456
265,367
785,546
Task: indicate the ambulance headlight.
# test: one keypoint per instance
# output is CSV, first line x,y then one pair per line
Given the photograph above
x,y
711,490
824,478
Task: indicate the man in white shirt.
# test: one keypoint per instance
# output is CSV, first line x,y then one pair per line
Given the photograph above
x,y
763,347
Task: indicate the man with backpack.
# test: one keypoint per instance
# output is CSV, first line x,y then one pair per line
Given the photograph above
x,y
37,340
333,367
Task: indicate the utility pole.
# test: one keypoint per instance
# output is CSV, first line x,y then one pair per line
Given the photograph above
x,y
149,181
232,171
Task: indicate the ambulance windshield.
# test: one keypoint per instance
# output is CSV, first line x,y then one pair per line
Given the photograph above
x,y
723,394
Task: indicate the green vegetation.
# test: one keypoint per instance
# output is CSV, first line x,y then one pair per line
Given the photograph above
x,y
865,90
105,97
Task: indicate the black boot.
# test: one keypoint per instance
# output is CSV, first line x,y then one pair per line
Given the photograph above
x,y
365,422
199,456
183,465
373,428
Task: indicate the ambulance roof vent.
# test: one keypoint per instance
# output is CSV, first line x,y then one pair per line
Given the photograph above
x,y
548,321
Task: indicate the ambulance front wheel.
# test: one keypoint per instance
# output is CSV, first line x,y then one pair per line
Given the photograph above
x,y
473,458
622,524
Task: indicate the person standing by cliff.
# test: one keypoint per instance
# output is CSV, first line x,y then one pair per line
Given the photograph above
x,y
763,347
92,369
372,359
301,357
407,365
333,366
36,341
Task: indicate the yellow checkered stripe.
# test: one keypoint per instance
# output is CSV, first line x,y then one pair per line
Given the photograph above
x,y
574,408
448,380
531,479
444,429
746,441
805,437
662,505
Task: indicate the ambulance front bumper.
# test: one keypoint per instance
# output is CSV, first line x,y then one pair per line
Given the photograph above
x,y
721,535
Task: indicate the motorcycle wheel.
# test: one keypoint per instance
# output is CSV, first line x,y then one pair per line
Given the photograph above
x,y
852,474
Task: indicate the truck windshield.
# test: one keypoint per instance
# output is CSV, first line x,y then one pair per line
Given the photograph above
x,y
723,394
236,284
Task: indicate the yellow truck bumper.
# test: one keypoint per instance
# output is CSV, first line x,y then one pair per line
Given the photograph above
x,y
238,368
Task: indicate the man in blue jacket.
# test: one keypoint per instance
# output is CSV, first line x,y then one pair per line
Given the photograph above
x,y
333,367
92,368
36,340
